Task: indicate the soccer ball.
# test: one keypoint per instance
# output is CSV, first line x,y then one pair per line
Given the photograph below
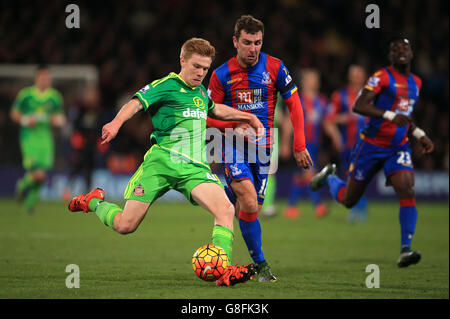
x,y
209,262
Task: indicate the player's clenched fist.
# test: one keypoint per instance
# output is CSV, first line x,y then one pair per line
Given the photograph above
x,y
109,131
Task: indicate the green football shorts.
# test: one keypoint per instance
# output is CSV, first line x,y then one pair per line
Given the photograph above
x,y
161,171
37,156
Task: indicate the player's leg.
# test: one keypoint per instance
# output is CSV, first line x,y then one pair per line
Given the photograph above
x,y
123,221
359,211
399,172
144,187
37,179
29,186
296,191
269,209
366,160
212,197
320,208
347,193
250,195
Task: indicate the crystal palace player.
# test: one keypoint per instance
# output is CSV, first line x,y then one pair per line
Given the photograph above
x,y
343,126
384,143
250,82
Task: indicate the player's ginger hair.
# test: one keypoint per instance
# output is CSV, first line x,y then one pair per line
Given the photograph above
x,y
199,46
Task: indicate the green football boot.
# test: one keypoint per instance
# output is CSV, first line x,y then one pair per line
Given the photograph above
x,y
264,272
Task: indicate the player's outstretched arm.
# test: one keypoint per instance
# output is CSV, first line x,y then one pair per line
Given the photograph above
x,y
364,107
226,113
109,131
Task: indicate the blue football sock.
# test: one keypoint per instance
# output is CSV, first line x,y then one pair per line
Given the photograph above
x,y
408,219
335,184
314,196
361,208
251,232
295,194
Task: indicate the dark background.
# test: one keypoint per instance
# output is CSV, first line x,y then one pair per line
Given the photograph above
x,y
134,42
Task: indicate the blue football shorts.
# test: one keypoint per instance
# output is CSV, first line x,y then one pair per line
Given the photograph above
x,y
367,159
247,161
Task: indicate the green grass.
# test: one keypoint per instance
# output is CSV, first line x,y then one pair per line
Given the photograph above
x,y
312,258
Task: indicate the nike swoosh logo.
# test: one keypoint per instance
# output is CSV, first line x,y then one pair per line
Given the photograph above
x,y
206,269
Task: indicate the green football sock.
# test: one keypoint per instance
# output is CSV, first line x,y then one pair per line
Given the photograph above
x,y
25,182
93,204
223,237
32,197
104,210
271,190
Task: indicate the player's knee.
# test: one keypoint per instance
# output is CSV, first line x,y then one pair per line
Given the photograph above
x,y
405,188
349,202
38,177
406,191
248,203
125,228
228,211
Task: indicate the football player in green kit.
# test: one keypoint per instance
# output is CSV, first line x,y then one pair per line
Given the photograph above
x,y
36,109
178,105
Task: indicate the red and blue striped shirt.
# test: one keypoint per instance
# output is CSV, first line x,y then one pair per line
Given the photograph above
x,y
254,89
342,102
396,93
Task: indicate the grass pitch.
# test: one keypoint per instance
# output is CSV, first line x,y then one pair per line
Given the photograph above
x,y
313,259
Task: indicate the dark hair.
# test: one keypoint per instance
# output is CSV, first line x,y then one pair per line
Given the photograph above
x,y
398,39
41,67
249,24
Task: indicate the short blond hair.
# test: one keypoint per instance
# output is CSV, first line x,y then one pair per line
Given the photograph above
x,y
199,46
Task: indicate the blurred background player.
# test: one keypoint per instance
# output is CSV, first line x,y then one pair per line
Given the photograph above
x,y
85,139
315,108
388,99
36,109
343,126
250,81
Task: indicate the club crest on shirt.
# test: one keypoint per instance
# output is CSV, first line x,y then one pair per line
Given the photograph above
x,y
373,81
359,176
235,170
139,190
266,78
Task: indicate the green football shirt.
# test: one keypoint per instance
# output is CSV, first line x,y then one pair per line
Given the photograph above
x,y
32,102
179,113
